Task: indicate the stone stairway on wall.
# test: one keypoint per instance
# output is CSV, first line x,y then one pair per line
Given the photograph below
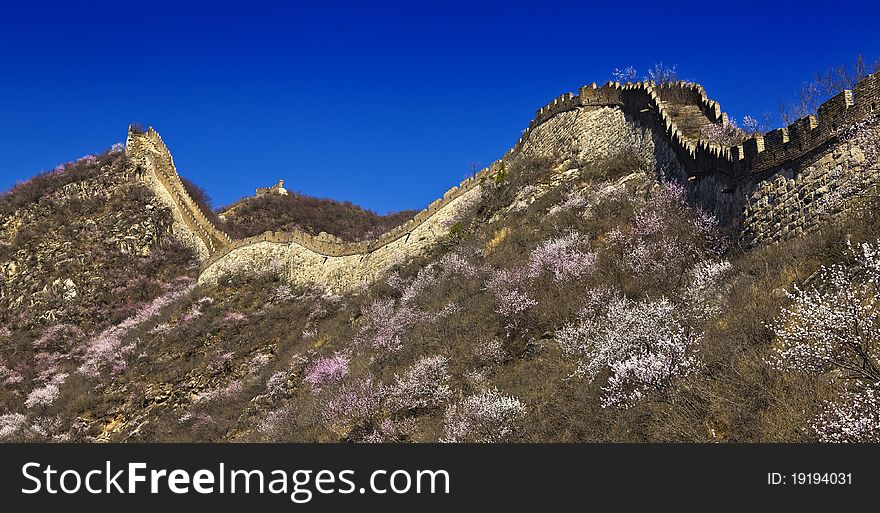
x,y
690,120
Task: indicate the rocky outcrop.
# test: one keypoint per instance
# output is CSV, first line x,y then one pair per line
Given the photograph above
x,y
57,247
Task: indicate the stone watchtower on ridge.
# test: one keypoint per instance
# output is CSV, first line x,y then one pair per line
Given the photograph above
x,y
275,189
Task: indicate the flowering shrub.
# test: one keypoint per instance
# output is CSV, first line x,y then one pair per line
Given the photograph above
x,y
661,74
259,361
160,329
387,322
504,284
667,235
705,274
200,421
107,348
392,430
355,404
234,388
854,417
234,317
698,295
58,336
221,362
647,222
276,385
10,376
450,309
274,423
117,148
726,134
490,352
642,343
43,396
193,313
751,125
282,293
627,74
561,257
456,263
424,385
326,371
512,302
424,279
834,327
505,279
10,424
489,416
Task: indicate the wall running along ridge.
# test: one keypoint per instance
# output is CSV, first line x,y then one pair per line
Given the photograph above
x,y
769,187
150,159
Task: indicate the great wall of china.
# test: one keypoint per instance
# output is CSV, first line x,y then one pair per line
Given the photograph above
x,y
769,187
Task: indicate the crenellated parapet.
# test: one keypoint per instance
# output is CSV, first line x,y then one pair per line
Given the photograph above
x,y
721,178
148,153
754,155
330,246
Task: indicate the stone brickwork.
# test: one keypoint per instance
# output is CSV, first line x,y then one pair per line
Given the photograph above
x,y
762,187
309,261
799,197
151,160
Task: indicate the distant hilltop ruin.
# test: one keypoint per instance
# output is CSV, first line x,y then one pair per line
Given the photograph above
x,y
769,187
275,189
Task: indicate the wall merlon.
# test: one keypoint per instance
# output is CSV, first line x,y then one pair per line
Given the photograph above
x,y
832,111
776,140
753,146
867,93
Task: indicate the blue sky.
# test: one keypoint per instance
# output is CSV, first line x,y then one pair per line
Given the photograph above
x,y
378,103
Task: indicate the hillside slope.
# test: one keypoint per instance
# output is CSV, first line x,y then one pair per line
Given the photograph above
x,y
273,212
580,291
481,340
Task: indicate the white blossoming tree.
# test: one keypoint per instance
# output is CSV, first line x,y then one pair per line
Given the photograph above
x,y
643,344
486,417
832,329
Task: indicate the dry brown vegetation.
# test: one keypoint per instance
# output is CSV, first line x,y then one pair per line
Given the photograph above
x,y
241,361
272,212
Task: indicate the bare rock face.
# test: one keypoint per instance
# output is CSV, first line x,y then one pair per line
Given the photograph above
x,y
59,248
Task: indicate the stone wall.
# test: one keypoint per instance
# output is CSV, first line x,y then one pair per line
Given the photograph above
x,y
151,160
334,266
800,196
722,178
275,189
748,187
